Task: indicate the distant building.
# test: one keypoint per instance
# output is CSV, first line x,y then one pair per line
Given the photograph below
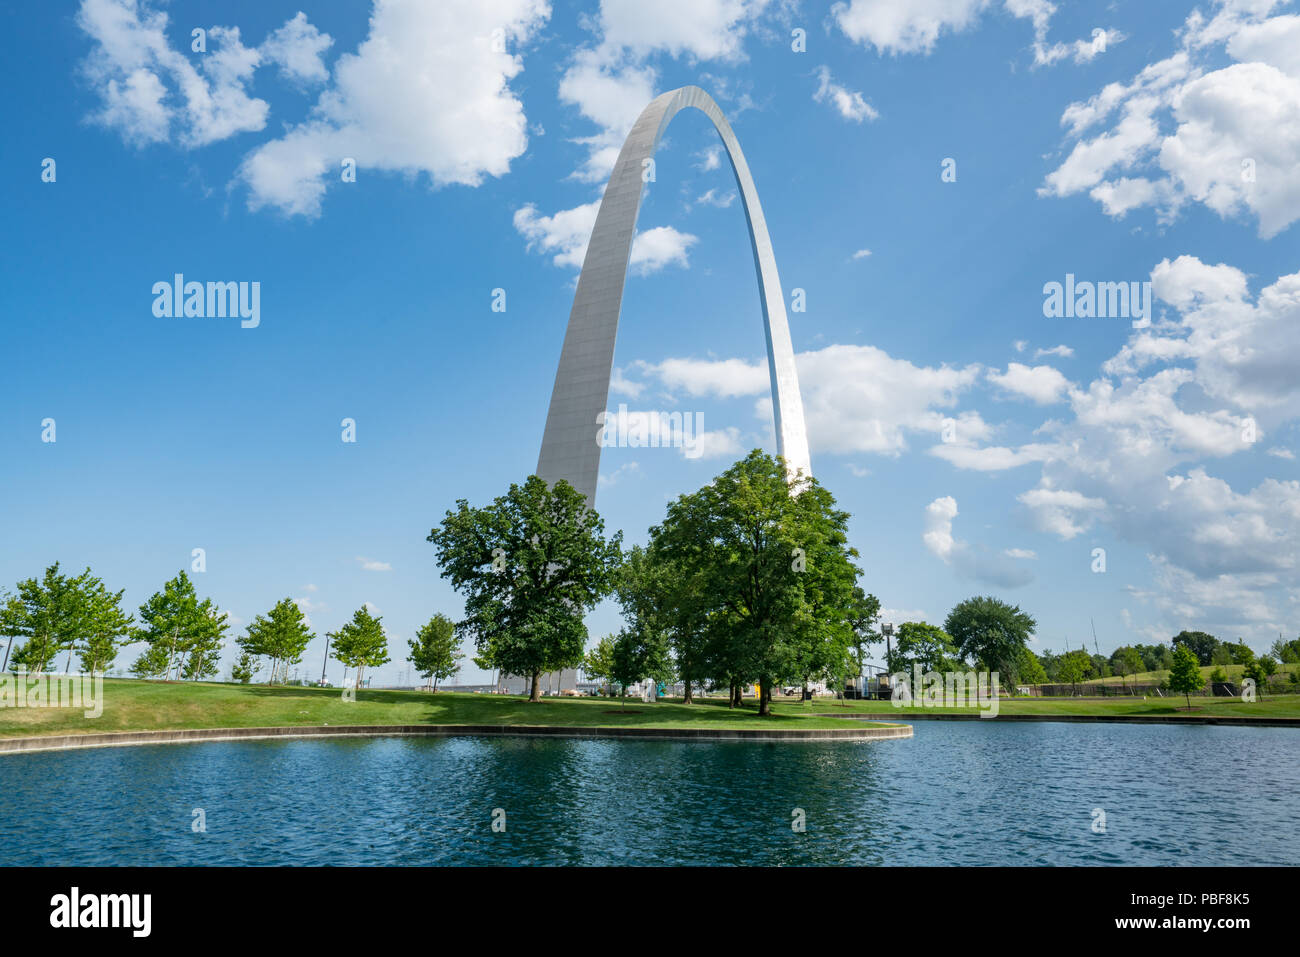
x,y
552,683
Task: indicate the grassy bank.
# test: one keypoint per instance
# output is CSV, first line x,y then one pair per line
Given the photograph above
x,y
1233,673
131,705
1282,706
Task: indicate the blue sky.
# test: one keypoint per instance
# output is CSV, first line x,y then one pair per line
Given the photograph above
x,y
1118,142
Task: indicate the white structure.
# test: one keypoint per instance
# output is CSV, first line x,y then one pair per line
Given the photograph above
x,y
551,682
570,449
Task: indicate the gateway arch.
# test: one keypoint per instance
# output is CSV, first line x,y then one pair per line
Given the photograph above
x,y
570,449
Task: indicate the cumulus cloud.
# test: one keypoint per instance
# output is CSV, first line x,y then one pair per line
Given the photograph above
x,y
426,92
977,563
1041,384
564,236
848,103
371,565
1187,130
916,26
151,93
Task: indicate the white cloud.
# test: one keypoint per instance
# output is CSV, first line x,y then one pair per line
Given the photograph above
x,y
848,103
298,49
862,254
938,527
565,236
1187,130
699,29
1281,453
148,88
713,198
912,27
1041,384
1064,352
717,443
969,561
990,458
709,158
605,480
426,92
915,26
620,384
612,81
724,378
1062,512
371,565
856,398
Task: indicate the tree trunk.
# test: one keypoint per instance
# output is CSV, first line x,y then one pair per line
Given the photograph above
x,y
357,687
535,694
687,698
764,700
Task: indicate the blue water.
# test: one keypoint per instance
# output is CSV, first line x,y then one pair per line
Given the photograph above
x,y
957,793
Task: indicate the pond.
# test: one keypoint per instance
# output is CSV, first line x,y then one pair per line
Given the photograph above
x,y
958,793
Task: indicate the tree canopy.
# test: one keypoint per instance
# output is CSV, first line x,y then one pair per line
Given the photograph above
x,y
530,565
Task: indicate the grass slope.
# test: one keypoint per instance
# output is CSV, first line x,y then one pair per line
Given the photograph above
x,y
1284,706
131,705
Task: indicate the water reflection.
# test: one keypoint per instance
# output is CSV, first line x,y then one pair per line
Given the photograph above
x,y
956,793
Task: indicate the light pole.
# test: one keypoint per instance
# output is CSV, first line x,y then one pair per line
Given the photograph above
x,y
887,629
326,661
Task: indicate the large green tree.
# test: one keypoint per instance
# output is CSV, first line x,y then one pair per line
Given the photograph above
x,y
281,636
361,643
924,645
435,650
647,593
530,565
1201,644
990,632
773,571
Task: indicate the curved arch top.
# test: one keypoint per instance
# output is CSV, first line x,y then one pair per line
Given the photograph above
x,y
570,449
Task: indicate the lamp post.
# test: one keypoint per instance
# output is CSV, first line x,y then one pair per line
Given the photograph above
x,y
887,629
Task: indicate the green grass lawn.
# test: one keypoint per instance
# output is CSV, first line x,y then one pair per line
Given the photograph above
x,y
131,705
1280,706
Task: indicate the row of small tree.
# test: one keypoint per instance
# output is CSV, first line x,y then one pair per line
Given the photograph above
x,y
185,634
59,613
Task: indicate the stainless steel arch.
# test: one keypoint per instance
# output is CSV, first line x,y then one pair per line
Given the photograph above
x,y
570,449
